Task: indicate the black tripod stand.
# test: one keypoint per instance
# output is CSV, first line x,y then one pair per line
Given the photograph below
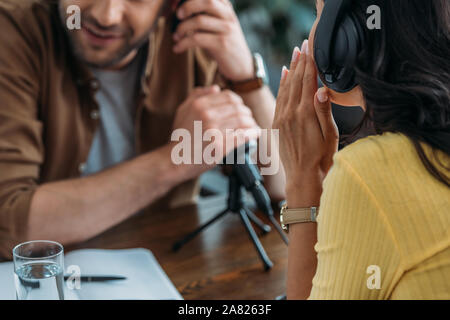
x,y
236,205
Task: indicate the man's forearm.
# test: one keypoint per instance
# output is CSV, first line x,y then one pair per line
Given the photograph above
x,y
75,210
262,103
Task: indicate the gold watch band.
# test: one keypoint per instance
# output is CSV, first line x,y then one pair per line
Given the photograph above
x,y
300,215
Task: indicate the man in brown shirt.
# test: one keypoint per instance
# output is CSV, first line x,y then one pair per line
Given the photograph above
x,y
49,113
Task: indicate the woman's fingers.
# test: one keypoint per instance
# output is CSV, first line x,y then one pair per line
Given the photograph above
x,y
289,93
283,99
284,85
283,91
284,74
288,74
322,106
309,84
295,58
295,91
293,66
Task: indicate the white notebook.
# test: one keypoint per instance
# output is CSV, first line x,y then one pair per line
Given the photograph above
x,y
146,280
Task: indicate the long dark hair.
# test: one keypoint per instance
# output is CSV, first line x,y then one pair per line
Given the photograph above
x,y
404,74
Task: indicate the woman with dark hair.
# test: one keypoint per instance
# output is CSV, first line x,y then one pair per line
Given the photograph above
x,y
382,203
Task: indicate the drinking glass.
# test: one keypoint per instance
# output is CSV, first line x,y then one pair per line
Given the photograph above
x,y
39,270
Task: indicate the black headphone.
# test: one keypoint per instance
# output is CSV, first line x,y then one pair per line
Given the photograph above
x,y
339,38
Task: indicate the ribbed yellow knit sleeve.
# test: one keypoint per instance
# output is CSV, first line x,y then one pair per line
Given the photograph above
x,y
357,253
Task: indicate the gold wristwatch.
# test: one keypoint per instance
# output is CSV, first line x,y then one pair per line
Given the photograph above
x,y
301,215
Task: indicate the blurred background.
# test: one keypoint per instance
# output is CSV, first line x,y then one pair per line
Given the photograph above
x,y
273,28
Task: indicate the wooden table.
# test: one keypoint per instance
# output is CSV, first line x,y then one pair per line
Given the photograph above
x,y
221,263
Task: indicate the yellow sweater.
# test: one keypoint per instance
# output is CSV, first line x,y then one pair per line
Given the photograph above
x,y
383,218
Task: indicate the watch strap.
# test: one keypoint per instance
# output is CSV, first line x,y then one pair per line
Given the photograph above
x,y
246,86
257,82
300,215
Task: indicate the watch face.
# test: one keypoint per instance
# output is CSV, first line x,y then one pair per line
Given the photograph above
x,y
261,69
281,218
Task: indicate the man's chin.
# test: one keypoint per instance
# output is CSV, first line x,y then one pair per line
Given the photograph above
x,y
100,63
104,58
108,57
99,59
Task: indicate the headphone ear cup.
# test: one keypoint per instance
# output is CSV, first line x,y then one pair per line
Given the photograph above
x,y
345,49
345,54
340,48
338,40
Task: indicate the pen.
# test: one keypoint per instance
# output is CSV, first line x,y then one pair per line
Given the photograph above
x,y
34,284
95,278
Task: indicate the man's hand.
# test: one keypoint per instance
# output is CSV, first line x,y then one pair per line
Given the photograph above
x,y
223,111
213,26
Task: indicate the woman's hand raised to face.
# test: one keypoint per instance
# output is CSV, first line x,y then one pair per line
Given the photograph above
x,y
308,134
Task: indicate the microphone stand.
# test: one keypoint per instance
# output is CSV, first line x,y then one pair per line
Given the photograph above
x,y
236,205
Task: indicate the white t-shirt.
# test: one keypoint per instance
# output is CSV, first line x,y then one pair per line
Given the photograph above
x,y
114,140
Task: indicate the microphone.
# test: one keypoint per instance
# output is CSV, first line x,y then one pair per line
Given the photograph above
x,y
250,177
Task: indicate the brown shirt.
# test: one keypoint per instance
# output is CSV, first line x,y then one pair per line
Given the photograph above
x,y
48,114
